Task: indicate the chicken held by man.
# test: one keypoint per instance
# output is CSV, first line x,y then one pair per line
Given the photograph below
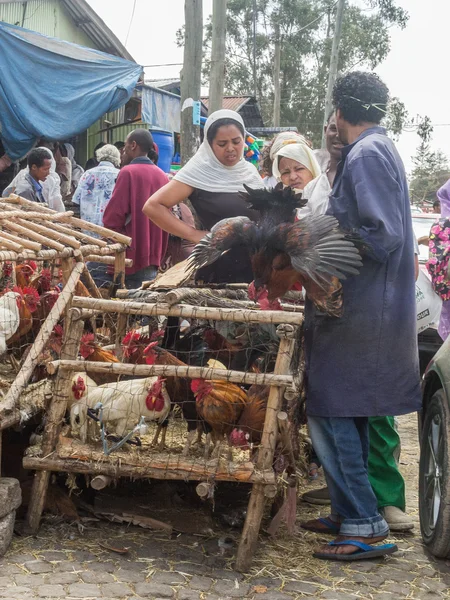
x,y
312,251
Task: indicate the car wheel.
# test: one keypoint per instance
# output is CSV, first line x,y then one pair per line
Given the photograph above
x,y
434,481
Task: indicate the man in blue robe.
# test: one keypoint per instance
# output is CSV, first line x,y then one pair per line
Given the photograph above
x,y
366,363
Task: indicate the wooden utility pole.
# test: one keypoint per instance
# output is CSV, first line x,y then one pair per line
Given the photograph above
x,y
217,76
333,62
276,74
191,77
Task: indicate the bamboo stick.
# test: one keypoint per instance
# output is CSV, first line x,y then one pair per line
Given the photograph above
x,y
19,240
62,238
32,215
37,237
106,260
119,270
283,428
9,244
32,359
276,317
278,380
73,330
103,231
104,251
168,468
249,538
15,199
84,237
100,482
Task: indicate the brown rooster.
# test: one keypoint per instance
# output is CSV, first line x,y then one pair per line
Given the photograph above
x,y
249,428
46,302
91,350
312,251
220,404
179,390
24,272
222,350
134,345
28,304
42,281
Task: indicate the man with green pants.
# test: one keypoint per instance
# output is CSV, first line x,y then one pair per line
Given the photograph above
x,y
384,475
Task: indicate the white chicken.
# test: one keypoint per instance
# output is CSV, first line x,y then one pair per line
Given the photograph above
x,y
123,405
81,384
9,318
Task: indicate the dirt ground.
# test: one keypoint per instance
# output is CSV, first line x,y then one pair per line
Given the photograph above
x,y
71,561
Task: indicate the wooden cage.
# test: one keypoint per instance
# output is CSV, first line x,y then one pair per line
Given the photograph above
x,y
63,455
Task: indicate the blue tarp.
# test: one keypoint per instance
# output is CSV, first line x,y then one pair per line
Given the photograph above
x,y
161,109
54,89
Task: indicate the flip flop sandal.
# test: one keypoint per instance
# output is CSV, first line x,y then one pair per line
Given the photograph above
x,y
364,553
330,528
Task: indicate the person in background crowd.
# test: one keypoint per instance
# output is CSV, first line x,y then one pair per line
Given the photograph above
x,y
437,206
212,180
93,194
77,171
96,186
92,162
376,372
64,170
51,190
39,164
139,179
120,146
439,253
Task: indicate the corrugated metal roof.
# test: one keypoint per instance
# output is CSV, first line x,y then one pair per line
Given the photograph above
x,y
82,14
160,83
88,20
230,102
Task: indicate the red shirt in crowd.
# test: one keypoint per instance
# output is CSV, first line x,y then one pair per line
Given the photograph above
x,y
135,184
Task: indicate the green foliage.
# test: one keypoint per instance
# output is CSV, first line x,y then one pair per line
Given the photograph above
x,y
306,31
431,168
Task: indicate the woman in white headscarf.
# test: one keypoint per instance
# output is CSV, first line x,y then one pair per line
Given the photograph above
x,y
293,161
51,190
212,180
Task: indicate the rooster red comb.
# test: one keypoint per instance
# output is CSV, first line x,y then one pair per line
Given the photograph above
x,y
31,264
196,385
88,338
156,388
149,353
132,335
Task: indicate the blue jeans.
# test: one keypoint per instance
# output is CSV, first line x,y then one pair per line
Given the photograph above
x,y
342,445
135,280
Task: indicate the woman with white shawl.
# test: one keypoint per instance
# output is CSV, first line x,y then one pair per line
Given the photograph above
x,y
293,161
212,180
51,190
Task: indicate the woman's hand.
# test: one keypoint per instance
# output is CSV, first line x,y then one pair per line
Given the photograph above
x,y
198,235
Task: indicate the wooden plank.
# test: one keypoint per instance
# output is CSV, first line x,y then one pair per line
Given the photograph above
x,y
169,371
73,330
275,317
249,538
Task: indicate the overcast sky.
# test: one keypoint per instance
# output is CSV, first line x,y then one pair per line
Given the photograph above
x,y
416,69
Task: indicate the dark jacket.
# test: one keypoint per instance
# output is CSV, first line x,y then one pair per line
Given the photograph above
x,y
365,364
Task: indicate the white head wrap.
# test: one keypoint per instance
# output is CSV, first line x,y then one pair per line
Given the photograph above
x,y
205,171
293,145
